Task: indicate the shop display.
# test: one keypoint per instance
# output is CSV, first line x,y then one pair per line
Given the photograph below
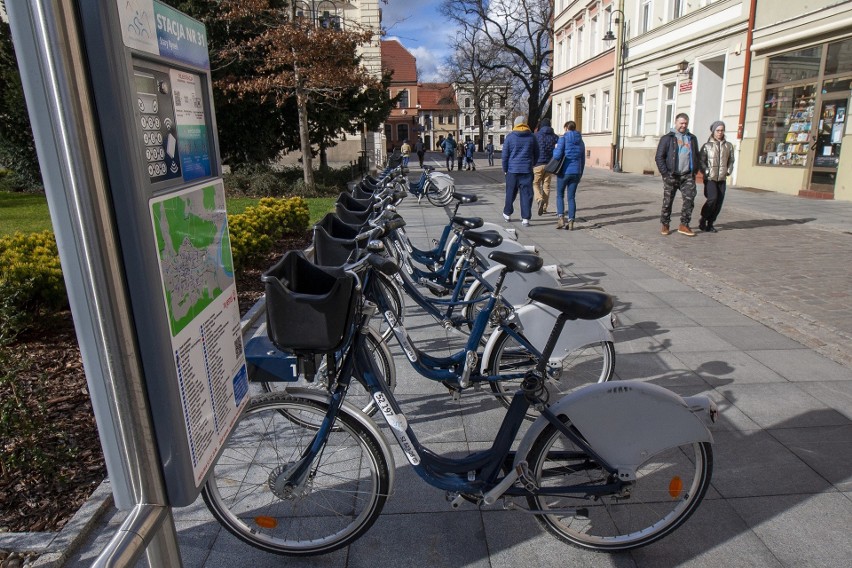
x,y
787,121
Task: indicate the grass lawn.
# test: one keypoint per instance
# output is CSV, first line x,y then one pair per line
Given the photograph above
x,y
28,213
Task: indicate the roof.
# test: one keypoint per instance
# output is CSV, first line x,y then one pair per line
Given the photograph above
x,y
436,96
397,59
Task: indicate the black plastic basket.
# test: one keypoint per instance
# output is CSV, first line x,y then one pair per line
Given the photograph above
x,y
309,308
333,241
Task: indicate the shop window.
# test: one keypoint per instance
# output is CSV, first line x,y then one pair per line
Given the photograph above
x,y
794,66
785,130
839,59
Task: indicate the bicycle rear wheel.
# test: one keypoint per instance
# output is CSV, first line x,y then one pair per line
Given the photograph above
x,y
357,393
590,364
342,497
668,488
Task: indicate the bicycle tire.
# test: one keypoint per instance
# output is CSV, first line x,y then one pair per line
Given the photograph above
x,y
357,394
668,488
437,196
396,301
346,492
593,363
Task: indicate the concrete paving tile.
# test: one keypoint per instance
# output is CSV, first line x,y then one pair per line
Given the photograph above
x,y
656,318
516,539
834,394
229,551
781,405
648,366
688,299
713,536
720,368
828,450
711,316
802,530
433,418
755,463
413,495
686,339
797,365
196,540
664,285
624,301
454,538
754,337
633,339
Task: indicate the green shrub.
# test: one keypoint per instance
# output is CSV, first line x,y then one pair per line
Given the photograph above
x,y
261,181
254,231
31,284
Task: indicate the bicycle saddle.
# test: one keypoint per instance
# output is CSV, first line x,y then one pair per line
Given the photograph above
x,y
489,239
576,304
468,222
518,261
465,197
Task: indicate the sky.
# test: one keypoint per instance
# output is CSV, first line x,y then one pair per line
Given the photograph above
x,y
420,28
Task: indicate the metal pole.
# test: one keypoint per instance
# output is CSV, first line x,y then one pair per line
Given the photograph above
x,y
54,76
618,73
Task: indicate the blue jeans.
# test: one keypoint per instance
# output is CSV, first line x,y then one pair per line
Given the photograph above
x,y
522,183
569,182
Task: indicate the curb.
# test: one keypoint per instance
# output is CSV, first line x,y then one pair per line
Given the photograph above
x,y
54,548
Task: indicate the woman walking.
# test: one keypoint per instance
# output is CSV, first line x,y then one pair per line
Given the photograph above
x,y
572,147
717,163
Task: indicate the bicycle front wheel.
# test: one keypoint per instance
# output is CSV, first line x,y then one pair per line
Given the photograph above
x,y
593,363
668,488
343,495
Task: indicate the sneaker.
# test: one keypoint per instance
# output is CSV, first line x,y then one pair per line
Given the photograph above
x,y
685,230
665,230
525,222
506,218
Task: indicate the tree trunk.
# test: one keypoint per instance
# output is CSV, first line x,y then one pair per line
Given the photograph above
x,y
307,160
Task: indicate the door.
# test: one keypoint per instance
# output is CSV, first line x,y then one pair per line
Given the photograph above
x,y
830,127
578,111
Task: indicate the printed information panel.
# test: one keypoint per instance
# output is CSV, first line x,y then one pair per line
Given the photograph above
x,y
197,273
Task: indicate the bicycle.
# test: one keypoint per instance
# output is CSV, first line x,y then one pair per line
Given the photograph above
x,y
305,473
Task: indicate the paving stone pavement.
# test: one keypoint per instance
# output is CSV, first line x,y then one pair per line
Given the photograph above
x,y
755,317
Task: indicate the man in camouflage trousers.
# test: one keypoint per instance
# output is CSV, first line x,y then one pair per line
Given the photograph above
x,y
677,159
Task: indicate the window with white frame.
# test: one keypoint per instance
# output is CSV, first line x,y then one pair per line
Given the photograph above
x,y
467,120
593,113
467,102
568,40
560,57
679,8
559,114
606,121
668,96
593,37
403,98
581,56
638,112
451,120
440,119
502,121
646,13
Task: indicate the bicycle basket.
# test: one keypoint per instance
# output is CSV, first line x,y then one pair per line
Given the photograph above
x,y
333,241
309,308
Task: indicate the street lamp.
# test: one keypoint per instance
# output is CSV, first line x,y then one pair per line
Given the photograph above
x,y
322,14
620,55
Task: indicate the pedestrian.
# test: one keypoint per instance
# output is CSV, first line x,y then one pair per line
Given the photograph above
x,y
469,147
519,154
449,148
546,140
717,163
489,151
677,159
460,155
570,146
420,150
405,150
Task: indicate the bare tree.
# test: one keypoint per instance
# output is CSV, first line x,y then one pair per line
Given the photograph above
x,y
466,69
520,42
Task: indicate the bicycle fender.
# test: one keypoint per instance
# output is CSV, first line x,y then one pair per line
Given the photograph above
x,y
627,422
537,320
354,412
516,286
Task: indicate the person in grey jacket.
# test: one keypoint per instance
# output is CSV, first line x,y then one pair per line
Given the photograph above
x,y
520,153
677,160
717,163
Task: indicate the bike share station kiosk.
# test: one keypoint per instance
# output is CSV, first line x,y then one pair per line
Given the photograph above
x,y
120,99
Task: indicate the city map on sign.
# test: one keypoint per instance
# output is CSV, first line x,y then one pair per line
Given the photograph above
x,y
194,251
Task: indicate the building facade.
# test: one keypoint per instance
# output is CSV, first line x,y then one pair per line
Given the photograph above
x,y
779,79
403,122
437,113
497,115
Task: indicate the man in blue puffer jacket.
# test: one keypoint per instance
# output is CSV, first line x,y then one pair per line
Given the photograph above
x,y
520,153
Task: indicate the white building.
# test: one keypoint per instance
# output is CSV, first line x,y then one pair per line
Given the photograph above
x,y
496,112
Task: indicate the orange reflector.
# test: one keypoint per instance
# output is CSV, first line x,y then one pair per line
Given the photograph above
x,y
675,487
266,522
